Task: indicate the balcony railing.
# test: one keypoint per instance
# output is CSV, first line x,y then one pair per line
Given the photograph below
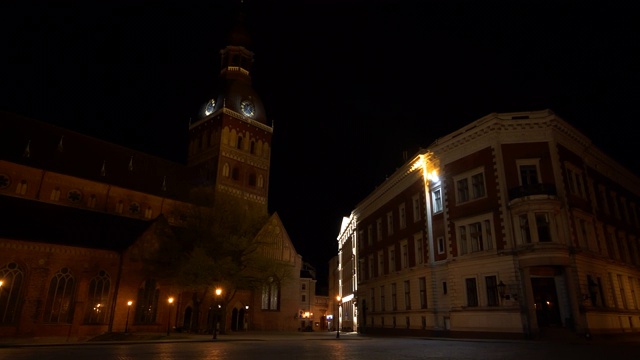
x,y
535,189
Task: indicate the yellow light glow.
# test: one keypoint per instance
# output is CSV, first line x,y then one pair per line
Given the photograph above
x,y
338,298
433,176
306,314
170,300
129,303
1,282
218,291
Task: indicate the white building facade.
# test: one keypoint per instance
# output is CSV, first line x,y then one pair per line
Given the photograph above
x,y
515,225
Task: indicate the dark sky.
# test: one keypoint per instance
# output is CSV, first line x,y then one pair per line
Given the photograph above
x,y
350,85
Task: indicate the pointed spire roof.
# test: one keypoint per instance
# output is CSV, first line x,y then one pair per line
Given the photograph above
x,y
239,35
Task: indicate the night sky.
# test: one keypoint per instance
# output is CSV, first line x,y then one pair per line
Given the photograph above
x,y
349,85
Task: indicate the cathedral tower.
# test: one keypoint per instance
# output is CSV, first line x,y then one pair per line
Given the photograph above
x,y
230,143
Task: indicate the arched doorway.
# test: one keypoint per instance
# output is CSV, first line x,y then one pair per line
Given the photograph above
x,y
237,319
186,320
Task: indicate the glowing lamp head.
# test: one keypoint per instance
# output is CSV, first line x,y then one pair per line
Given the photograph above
x,y
218,291
129,303
170,300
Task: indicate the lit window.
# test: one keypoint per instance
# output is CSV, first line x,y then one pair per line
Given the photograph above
x,y
98,299
91,201
55,194
12,279
437,200
21,189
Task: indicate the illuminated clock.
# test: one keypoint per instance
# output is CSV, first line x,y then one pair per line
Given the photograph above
x,y
247,108
210,106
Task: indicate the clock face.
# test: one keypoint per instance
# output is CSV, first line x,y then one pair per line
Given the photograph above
x,y
210,106
247,108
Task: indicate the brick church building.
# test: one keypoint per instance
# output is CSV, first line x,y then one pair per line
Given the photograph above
x,y
81,215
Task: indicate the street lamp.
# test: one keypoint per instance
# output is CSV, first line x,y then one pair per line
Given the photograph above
x,y
169,316
126,324
338,321
216,323
246,318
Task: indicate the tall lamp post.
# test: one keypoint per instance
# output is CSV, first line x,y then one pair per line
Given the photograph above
x,y
338,320
126,324
216,323
170,300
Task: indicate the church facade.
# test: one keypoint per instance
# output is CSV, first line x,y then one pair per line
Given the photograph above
x,y
83,215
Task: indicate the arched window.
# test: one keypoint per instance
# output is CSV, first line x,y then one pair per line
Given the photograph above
x,y
225,170
233,138
147,303
98,299
119,207
12,277
265,150
55,194
91,201
60,304
260,181
259,148
239,143
271,295
252,179
21,189
252,147
235,173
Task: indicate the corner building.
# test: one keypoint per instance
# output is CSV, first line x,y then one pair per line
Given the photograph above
x,y
514,226
82,215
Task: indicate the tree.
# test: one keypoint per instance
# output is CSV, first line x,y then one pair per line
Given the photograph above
x,y
222,243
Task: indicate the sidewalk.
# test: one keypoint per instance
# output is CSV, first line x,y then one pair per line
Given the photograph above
x,y
133,338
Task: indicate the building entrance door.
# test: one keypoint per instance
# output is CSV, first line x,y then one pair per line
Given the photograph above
x,y
546,302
